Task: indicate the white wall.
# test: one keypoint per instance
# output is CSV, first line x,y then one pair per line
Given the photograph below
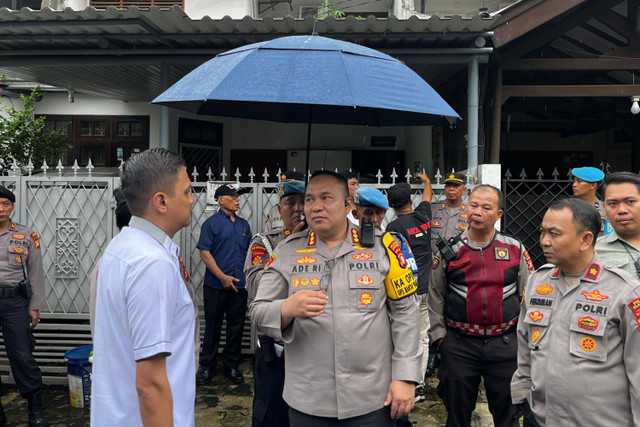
x,y
217,9
57,103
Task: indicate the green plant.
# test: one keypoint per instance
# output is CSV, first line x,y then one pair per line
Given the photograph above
x,y
22,137
328,10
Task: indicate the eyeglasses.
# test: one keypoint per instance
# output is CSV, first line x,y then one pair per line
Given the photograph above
x,y
326,277
233,196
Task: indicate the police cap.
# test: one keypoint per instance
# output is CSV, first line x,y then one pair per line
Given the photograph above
x,y
368,196
455,178
5,193
229,190
291,175
588,173
287,188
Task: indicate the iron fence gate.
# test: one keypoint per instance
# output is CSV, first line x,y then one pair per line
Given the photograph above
x,y
74,219
525,203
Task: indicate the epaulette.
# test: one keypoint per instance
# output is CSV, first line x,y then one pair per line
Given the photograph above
x,y
545,267
630,280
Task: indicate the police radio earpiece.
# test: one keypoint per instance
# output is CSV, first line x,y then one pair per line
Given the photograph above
x,y
346,202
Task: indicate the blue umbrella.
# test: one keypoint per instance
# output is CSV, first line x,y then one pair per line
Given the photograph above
x,y
309,79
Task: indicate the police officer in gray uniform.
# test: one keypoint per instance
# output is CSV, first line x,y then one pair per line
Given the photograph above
x,y
449,217
21,298
273,220
330,299
269,409
579,330
585,184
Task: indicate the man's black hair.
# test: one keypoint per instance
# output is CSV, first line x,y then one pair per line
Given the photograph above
x,y
337,176
123,215
621,178
585,216
147,173
347,175
484,187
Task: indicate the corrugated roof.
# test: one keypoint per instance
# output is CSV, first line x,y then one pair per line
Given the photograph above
x,y
122,49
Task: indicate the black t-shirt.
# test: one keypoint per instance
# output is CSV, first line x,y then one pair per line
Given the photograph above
x,y
416,228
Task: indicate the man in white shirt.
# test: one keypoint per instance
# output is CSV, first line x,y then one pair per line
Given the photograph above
x,y
144,369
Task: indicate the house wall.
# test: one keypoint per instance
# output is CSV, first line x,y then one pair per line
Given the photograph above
x,y
250,134
217,9
350,6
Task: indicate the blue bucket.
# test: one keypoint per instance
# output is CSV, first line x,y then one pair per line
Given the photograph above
x,y
79,373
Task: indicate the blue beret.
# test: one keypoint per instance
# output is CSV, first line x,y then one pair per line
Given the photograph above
x,y
287,188
368,196
588,173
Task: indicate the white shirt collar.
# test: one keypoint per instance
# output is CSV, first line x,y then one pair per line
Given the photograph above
x,y
155,232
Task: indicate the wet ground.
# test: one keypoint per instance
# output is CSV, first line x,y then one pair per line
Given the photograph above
x,y
220,403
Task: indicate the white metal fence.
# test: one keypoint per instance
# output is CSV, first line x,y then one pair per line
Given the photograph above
x,y
74,217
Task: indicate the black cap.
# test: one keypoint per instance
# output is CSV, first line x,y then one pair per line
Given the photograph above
x,y
399,195
291,175
230,189
455,178
5,193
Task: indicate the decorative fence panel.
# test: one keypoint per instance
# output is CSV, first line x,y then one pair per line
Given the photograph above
x,y
526,201
74,220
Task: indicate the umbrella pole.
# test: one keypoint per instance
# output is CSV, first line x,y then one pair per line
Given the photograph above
x,y
306,169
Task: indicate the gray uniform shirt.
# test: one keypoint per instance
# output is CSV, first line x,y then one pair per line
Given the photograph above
x,y
578,347
257,257
599,205
20,244
615,251
445,223
273,221
340,363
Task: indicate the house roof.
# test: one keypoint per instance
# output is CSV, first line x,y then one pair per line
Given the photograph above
x,y
568,65
119,53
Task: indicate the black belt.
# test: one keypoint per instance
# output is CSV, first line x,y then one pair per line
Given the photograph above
x,y
8,291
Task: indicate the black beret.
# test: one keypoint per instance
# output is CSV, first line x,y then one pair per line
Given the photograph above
x,y
5,193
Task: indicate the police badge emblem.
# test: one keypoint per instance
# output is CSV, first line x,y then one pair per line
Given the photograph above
x,y
502,254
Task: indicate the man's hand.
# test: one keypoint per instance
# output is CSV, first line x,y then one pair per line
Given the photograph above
x,y
302,304
297,227
401,397
227,283
423,177
427,193
35,316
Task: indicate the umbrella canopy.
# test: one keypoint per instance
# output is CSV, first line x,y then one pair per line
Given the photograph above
x,y
309,79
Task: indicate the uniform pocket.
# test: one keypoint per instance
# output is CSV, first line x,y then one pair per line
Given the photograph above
x,y
17,255
538,323
587,339
366,291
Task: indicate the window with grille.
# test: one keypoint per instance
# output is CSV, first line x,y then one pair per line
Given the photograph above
x,y
121,4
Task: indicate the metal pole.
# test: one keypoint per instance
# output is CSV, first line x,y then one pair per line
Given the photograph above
x,y
496,117
306,166
164,111
472,116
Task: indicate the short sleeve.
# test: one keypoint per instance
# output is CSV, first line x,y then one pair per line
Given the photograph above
x,y
206,235
150,299
424,209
